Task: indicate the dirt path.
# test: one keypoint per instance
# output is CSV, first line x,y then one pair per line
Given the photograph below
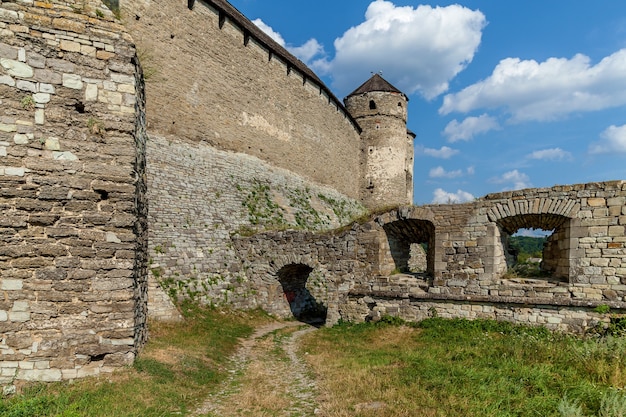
x,y
266,377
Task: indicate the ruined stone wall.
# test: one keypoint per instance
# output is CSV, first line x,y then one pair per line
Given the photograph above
x,y
72,192
211,81
467,274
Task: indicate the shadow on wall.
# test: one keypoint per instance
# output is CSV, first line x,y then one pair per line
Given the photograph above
x,y
304,307
411,244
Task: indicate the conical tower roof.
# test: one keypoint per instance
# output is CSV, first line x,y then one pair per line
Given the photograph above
x,y
376,83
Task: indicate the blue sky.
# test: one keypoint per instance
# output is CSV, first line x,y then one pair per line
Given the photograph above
x,y
503,94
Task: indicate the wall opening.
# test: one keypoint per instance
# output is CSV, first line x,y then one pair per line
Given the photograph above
x,y
536,246
372,105
303,305
411,243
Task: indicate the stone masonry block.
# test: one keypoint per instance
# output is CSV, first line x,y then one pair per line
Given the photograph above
x,y
596,202
73,81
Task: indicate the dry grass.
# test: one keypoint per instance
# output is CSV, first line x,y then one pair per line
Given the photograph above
x,y
350,388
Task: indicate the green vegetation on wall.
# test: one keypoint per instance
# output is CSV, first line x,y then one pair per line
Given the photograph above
x,y
271,206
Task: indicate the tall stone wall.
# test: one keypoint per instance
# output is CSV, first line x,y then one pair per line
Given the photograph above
x,y
213,77
72,192
244,137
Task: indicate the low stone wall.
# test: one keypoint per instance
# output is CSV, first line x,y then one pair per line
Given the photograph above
x,y
555,317
465,260
72,195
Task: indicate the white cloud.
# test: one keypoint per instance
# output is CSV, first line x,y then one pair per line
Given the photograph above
x,y
533,232
513,180
469,127
269,31
531,90
613,141
418,49
306,52
553,154
444,152
440,172
441,196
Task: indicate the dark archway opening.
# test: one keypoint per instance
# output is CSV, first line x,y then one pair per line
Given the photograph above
x,y
303,305
412,243
536,246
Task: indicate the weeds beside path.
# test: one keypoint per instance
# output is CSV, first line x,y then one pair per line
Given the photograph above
x,y
266,377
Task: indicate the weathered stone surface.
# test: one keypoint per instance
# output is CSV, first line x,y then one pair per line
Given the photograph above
x,y
16,68
50,156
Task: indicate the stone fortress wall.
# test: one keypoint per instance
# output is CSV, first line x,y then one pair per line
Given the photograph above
x,y
248,129
217,80
73,216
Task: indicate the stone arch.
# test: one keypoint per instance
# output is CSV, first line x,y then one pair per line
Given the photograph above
x,y
304,301
557,254
403,236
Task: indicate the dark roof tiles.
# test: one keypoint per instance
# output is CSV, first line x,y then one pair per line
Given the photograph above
x,y
376,83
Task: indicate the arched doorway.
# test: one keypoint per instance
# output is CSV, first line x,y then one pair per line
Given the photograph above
x,y
552,260
294,279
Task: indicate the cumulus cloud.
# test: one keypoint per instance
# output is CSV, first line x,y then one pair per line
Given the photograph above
x,y
613,140
531,90
553,154
418,49
469,127
444,152
441,196
269,31
513,180
440,172
306,52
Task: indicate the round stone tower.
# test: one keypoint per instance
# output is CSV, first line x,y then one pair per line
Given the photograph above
x,y
380,109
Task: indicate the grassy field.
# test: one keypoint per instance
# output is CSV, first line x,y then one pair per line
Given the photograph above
x,y
180,365
434,368
466,368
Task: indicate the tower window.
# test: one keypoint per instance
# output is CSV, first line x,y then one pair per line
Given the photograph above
x,y
399,104
372,105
